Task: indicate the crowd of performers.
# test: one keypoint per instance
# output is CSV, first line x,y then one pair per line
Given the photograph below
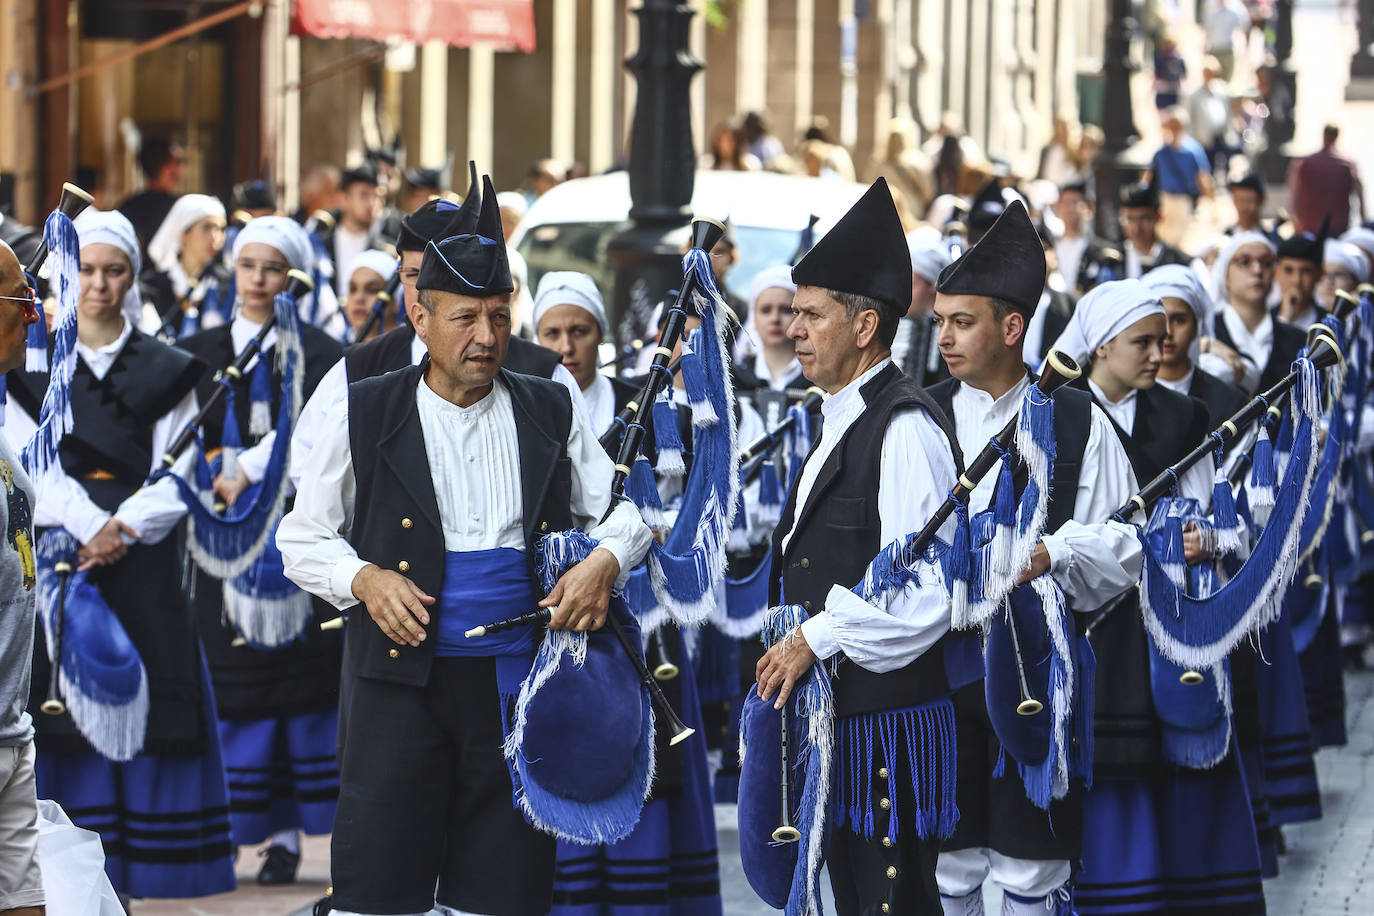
x,y
939,573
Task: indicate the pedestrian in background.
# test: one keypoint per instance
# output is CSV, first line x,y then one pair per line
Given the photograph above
x,y
1323,184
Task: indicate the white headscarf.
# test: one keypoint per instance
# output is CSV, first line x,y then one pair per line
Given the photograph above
x,y
384,264
1178,281
1223,264
1348,255
1361,238
769,277
281,233
165,248
929,255
110,227
522,306
568,287
1104,312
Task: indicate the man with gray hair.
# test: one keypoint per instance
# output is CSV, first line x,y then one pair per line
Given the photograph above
x,y
21,882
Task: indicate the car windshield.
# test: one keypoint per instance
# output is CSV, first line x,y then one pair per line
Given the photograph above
x,y
582,247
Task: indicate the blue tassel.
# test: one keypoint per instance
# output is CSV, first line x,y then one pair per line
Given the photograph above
x,y
770,486
698,389
260,393
55,415
36,353
643,491
190,322
739,528
1263,469
668,439
959,563
1223,502
231,439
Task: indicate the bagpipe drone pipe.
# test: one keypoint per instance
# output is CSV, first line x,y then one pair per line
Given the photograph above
x,y
95,672
385,298
787,755
583,688
237,544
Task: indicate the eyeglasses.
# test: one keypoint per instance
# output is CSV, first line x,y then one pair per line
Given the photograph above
x,y
30,303
1245,262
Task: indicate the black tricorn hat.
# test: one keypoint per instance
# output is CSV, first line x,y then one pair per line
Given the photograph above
x,y
366,173
470,264
991,202
1306,246
1007,264
439,218
864,253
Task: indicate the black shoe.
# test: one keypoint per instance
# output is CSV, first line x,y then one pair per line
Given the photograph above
x,y
322,907
280,865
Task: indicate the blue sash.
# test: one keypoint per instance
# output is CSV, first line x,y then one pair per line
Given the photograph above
x,y
481,586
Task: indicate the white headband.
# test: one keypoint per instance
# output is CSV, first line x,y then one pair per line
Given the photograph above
x,y
1104,312
1347,255
281,233
768,278
188,210
568,287
379,261
110,227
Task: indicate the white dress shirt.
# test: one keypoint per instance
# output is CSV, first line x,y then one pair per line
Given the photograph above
x,y
151,511
1091,558
1255,345
1196,481
474,464
333,390
1135,265
599,398
784,380
1069,253
917,472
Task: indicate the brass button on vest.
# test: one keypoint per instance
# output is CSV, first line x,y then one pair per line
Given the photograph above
x,y
394,653
882,772
805,563
543,526
886,908
887,841
407,523
892,871
884,803
403,566
806,605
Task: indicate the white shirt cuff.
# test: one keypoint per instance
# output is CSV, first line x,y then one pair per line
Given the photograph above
x,y
1061,556
621,551
346,569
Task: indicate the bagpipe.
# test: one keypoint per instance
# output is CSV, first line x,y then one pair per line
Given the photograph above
x,y
386,297
322,273
569,708
96,674
784,800
237,544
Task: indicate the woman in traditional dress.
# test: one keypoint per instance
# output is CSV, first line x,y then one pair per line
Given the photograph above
x,y
1158,837
161,813
278,706
367,277
186,281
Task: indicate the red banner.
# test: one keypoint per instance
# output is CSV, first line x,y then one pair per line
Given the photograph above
x,y
464,23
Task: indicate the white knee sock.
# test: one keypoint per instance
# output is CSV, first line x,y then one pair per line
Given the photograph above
x,y
290,840
971,904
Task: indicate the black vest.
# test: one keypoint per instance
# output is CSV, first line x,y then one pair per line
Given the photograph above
x,y
109,453
1288,340
1125,727
216,347
836,536
396,518
391,351
1221,398
1072,424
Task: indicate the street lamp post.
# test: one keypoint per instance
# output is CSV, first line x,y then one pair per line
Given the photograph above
x,y
1280,94
1361,85
1118,121
647,255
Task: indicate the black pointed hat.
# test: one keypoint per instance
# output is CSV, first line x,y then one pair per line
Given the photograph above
x,y
470,263
1140,196
864,253
1307,246
1007,264
439,218
366,173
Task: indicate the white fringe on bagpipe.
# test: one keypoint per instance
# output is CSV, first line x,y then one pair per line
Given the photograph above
x,y
267,622
55,415
1061,691
115,730
684,585
1000,562
1278,562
